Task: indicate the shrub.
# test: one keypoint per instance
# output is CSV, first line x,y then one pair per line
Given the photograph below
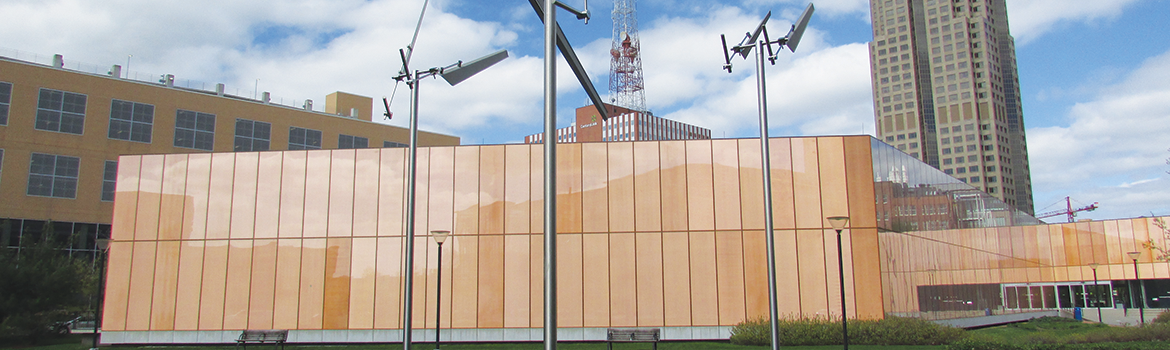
x,y
976,344
822,331
1162,318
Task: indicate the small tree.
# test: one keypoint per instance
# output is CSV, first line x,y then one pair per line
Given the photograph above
x,y
42,284
1162,253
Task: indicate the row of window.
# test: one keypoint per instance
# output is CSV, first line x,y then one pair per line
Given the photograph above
x,y
56,176
64,112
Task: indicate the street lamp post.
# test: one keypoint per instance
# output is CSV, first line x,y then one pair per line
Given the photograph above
x,y
103,246
439,236
839,223
1141,291
1097,288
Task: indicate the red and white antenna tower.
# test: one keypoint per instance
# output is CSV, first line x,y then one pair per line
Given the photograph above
x,y
626,88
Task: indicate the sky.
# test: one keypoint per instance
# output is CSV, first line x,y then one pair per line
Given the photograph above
x,y
1094,74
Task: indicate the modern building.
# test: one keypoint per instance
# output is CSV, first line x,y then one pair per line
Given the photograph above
x,y
946,91
62,131
623,125
665,234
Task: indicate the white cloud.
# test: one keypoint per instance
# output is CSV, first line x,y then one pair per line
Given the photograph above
x,y
1114,148
1030,19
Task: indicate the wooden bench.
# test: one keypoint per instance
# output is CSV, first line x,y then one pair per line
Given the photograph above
x,y
276,337
632,335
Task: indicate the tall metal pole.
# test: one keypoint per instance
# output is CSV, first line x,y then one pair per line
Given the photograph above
x,y
769,232
1141,294
439,297
1097,289
550,175
841,273
408,270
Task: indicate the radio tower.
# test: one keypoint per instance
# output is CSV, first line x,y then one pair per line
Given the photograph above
x,y
625,65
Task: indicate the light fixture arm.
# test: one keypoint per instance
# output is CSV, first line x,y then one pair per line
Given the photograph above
x,y
580,14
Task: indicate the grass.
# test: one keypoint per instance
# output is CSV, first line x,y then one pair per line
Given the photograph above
x,y
1042,327
74,343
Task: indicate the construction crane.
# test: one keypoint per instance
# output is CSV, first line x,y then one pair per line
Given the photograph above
x,y
1068,210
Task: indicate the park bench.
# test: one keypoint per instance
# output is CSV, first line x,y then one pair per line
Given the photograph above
x,y
276,337
632,335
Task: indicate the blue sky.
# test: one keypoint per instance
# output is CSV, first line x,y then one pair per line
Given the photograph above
x,y
1094,74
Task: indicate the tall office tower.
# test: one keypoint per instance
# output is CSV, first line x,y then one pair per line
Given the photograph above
x,y
946,91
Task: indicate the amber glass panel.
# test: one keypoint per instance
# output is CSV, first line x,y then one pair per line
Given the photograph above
x,y
424,282
516,281
729,261
292,195
211,300
859,171
704,280
813,274
1071,244
337,282
1031,254
1043,245
570,283
834,195
594,199
806,183
388,283
491,282
268,195
647,190
312,287
649,271
188,287
700,184
595,274
464,279
341,182
287,284
623,277
1056,238
239,274
674,188
1126,243
126,203
365,196
755,274
536,190
789,269
361,290
751,185
149,198
197,183
166,279
441,184
243,213
491,187
220,197
568,189
536,280
171,208
725,170
832,274
1084,242
466,202
1141,234
422,198
316,212
117,292
391,198
1100,251
676,275
783,197
445,264
263,288
621,187
866,274
516,190
141,286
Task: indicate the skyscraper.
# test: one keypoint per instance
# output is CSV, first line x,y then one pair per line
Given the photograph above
x,y
946,91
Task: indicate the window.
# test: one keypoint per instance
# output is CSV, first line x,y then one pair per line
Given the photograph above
x,y
392,144
53,176
301,138
252,135
5,101
131,121
194,130
347,141
109,179
1,161
61,111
